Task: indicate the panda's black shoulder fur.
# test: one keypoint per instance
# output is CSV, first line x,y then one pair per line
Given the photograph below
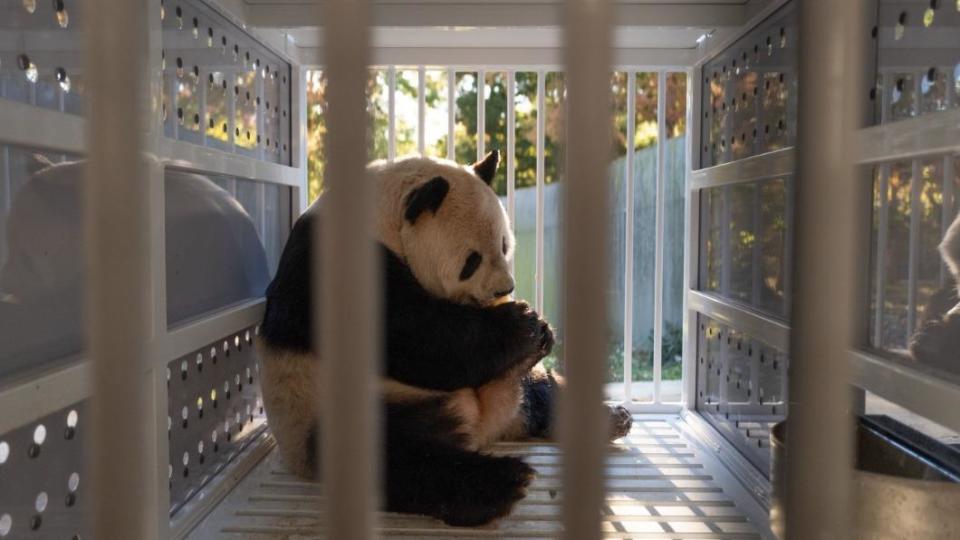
x,y
430,342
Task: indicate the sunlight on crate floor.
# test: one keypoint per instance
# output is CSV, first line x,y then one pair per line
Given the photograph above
x,y
660,486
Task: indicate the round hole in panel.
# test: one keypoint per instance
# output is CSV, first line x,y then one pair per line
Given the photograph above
x,y
62,79
246,336
73,482
70,500
226,345
200,404
186,459
199,361
184,413
200,447
39,434
169,471
213,350
901,25
4,452
28,67
183,370
236,339
40,504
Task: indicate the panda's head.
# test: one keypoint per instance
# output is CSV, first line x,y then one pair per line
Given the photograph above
x,y
454,232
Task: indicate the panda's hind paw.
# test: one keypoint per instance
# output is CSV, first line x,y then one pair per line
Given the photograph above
x,y
493,494
620,422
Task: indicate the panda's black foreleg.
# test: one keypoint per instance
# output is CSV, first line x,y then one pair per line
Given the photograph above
x,y
460,487
541,390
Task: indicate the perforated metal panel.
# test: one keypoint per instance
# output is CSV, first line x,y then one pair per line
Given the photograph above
x,y
45,72
221,88
741,386
214,410
42,488
749,103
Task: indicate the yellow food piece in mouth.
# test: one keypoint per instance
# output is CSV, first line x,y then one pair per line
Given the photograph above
x,y
501,300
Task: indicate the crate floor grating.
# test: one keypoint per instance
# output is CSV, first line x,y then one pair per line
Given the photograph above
x,y
660,486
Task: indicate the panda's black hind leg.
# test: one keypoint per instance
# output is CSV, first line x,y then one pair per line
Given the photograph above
x,y
461,488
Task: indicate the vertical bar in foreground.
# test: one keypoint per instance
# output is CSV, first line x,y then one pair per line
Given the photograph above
x,y
583,428
346,289
116,214
820,433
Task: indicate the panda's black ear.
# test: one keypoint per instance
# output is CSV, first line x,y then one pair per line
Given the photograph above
x,y
429,196
487,168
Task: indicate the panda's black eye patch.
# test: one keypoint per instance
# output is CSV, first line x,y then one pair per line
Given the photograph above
x,y
470,267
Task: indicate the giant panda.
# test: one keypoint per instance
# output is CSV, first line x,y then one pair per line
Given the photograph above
x,y
459,355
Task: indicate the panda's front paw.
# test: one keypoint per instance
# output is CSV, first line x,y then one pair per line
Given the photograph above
x,y
546,339
528,337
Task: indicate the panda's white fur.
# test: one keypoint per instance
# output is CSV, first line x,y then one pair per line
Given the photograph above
x,y
470,218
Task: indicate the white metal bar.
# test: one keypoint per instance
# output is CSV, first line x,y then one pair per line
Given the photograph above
x,y
582,424
913,257
541,135
193,157
725,267
775,164
117,226
658,238
414,13
883,224
511,154
949,210
25,125
930,134
347,269
909,386
820,444
691,238
421,110
184,339
481,113
628,235
773,332
392,113
451,113
300,145
916,188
